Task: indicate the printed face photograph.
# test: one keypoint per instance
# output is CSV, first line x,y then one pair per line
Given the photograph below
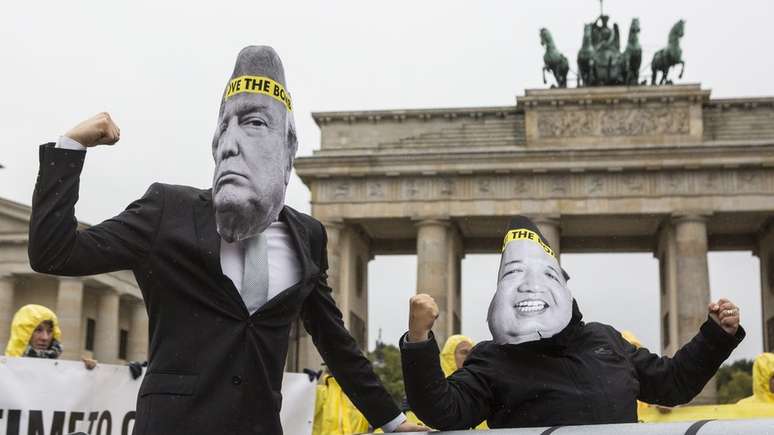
x,y
252,164
532,300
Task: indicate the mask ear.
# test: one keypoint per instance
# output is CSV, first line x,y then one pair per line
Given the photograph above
x,y
288,169
291,145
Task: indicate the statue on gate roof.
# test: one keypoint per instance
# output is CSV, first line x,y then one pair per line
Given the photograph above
x,y
600,60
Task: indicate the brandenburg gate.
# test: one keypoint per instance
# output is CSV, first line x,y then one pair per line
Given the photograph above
x,y
661,169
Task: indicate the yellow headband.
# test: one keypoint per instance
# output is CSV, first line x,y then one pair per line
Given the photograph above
x,y
259,85
525,234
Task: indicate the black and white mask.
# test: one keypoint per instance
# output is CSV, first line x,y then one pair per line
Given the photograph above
x,y
254,146
532,301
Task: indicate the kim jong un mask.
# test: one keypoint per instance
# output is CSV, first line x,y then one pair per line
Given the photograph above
x,y
532,301
254,145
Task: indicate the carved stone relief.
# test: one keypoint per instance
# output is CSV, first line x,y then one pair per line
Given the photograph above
x,y
613,122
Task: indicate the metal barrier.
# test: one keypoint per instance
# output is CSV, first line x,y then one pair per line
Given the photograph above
x,y
762,426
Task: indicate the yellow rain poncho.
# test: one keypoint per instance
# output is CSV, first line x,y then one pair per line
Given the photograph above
x,y
334,413
448,364
24,323
763,370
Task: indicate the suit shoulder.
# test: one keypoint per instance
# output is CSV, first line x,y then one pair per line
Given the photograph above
x,y
604,331
601,328
179,191
311,224
304,218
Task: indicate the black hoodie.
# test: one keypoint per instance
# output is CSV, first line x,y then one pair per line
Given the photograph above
x,y
586,374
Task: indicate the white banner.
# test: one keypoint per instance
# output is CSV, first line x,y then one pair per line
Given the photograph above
x,y
50,397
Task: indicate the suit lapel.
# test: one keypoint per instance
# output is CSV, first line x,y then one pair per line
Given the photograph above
x,y
208,240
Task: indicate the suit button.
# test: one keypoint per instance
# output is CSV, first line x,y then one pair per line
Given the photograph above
x,y
236,380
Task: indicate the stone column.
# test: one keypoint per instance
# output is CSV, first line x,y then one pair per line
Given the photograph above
x,y
355,253
454,290
693,290
69,310
301,351
666,254
137,344
433,271
765,252
549,227
6,309
692,274
106,333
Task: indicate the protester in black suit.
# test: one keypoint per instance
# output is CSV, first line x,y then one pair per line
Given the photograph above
x,y
224,273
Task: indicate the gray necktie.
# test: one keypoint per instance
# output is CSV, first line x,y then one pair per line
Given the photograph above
x,y
255,278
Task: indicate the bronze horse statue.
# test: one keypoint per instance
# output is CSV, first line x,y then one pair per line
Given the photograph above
x,y
554,61
670,56
632,55
586,70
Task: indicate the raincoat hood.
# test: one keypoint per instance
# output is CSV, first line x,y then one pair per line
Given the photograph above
x,y
448,364
23,325
631,338
763,369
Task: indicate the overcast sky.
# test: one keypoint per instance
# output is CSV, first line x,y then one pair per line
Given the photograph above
x,y
159,68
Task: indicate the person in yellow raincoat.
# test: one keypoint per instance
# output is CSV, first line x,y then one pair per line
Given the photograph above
x,y
334,413
34,333
763,380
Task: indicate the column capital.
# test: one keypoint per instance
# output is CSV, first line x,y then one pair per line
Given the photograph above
x,y
108,291
134,300
765,229
435,220
337,224
691,216
549,219
69,279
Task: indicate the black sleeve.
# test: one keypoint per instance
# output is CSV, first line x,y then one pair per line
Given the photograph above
x,y
57,246
677,380
322,319
460,401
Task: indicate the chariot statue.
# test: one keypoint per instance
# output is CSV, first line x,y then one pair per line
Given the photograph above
x,y
600,59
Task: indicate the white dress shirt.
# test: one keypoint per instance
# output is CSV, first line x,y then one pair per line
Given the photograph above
x,y
284,267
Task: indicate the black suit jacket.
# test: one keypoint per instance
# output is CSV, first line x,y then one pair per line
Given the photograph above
x,y
213,367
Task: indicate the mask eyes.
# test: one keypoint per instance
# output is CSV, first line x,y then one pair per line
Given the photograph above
x,y
253,121
512,271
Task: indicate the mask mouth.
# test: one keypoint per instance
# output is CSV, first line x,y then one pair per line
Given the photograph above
x,y
531,306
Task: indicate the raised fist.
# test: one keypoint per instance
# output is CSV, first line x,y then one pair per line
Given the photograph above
x,y
97,130
422,314
726,314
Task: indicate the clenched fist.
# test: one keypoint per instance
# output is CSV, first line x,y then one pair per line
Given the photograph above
x,y
97,130
726,314
422,314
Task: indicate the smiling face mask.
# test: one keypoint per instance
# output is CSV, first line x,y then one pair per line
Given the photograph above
x,y
532,301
